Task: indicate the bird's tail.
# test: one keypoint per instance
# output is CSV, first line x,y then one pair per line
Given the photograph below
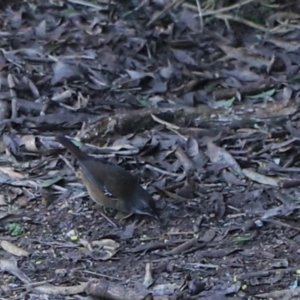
x,y
71,147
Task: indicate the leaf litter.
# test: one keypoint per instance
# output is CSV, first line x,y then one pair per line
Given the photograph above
x,y
208,123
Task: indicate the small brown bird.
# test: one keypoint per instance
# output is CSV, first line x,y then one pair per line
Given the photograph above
x,y
102,177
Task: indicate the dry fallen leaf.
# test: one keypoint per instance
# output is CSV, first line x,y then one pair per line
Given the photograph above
x,y
11,173
261,178
10,266
220,155
13,249
60,290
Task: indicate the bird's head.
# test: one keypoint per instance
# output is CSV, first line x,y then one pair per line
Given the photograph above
x,y
144,204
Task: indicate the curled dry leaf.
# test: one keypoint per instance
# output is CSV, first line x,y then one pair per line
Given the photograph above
x,y
109,249
148,279
106,244
30,143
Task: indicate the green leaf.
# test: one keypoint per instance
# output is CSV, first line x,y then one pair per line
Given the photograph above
x,y
263,94
144,102
242,239
69,12
15,229
224,103
48,182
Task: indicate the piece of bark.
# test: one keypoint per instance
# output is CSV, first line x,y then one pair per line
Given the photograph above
x,y
112,291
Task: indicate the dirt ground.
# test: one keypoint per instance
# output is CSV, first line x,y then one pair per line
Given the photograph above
x,y
203,110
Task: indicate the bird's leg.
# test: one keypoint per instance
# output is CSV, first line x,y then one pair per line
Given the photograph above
x,y
103,214
127,216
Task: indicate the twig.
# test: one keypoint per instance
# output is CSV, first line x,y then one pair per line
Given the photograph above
x,y
11,84
243,21
164,11
200,15
223,9
150,167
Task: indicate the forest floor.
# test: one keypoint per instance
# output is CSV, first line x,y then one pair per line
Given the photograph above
x,y
203,110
